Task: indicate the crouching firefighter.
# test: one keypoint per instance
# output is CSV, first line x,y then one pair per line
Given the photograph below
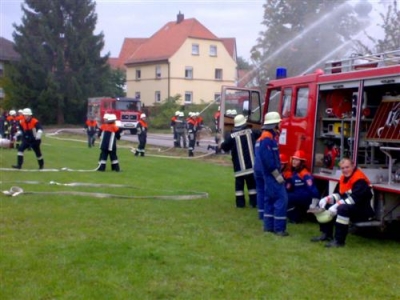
x,y
31,132
351,201
109,133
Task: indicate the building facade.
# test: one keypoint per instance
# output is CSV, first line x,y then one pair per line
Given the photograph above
x,y
182,58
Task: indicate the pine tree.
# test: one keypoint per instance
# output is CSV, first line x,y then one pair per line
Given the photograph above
x,y
61,64
300,33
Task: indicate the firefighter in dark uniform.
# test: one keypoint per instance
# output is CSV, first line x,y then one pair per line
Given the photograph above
x,y
109,133
11,127
275,200
142,135
31,132
173,119
300,188
241,143
91,128
191,129
180,128
351,200
19,117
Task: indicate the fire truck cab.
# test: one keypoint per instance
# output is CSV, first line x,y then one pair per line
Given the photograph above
x,y
349,109
127,111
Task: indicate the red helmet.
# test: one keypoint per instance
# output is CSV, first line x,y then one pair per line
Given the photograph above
x,y
284,159
299,154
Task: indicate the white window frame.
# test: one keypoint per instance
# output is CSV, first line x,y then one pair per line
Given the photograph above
x,y
218,74
188,97
213,50
195,49
158,72
138,74
188,72
157,96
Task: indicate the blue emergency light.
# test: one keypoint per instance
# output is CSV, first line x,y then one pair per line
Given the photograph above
x,y
280,73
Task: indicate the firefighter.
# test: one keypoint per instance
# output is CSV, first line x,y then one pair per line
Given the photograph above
x,y
191,130
173,119
11,127
300,188
351,200
217,115
240,142
180,128
275,200
285,168
109,133
142,135
31,132
91,129
199,126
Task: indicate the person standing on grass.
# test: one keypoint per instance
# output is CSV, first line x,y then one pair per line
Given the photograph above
x,y
142,135
91,128
31,132
180,128
173,128
240,142
191,130
109,133
275,204
351,200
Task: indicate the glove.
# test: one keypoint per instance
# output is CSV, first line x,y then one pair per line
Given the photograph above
x,y
314,203
333,209
278,176
39,135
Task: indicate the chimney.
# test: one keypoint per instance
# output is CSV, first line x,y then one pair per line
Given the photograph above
x,y
179,17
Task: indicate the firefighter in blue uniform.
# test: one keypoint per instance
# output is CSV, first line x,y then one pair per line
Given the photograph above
x,y
31,132
142,135
91,128
109,133
300,187
274,183
351,200
240,142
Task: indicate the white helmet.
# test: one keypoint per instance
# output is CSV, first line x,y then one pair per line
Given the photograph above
x,y
106,116
239,120
27,112
190,114
143,116
20,111
112,117
12,112
181,114
229,112
272,118
234,112
177,113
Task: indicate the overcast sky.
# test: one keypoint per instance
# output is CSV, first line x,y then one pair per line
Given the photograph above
x,y
117,19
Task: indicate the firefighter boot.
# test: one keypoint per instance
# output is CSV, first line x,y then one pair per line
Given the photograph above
x,y
20,161
142,153
41,163
191,153
115,167
136,153
102,167
341,231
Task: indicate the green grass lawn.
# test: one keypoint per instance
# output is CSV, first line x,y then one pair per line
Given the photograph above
x,y
55,245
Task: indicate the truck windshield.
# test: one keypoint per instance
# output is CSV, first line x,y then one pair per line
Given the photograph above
x,y
127,105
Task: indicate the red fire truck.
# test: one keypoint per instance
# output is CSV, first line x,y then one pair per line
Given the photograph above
x,y
349,109
127,110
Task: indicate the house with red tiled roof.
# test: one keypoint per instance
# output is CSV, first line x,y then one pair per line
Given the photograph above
x,y
7,54
182,58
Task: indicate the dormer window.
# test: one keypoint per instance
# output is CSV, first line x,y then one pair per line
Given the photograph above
x,y
195,49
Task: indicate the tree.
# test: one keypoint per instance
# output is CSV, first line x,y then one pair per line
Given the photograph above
x,y
61,65
242,64
300,33
115,86
391,28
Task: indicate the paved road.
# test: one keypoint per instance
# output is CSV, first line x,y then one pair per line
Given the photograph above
x,y
156,139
